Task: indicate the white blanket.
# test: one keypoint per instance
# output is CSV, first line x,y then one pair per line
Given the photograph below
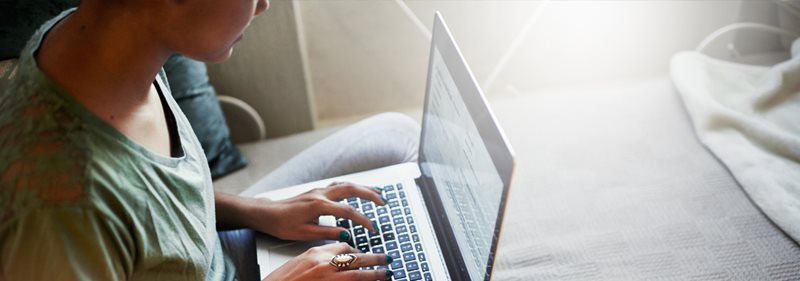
x,y
749,117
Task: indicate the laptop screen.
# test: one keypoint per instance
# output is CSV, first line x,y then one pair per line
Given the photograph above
x,y
459,164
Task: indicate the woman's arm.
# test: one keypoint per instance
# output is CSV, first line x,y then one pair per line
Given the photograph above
x,y
231,210
296,218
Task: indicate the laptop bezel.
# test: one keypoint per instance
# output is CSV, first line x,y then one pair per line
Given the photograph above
x,y
492,136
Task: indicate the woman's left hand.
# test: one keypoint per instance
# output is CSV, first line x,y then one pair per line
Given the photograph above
x,y
297,218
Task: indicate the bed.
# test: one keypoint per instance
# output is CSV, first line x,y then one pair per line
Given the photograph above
x,y
614,185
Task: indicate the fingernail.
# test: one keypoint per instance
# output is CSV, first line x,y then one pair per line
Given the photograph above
x,y
379,188
389,273
344,236
389,259
384,200
375,225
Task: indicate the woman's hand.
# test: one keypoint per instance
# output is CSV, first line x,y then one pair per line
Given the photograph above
x,y
314,264
297,218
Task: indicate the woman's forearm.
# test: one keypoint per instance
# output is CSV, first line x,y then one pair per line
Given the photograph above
x,y
233,211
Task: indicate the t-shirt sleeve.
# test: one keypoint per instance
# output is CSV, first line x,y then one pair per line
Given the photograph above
x,y
64,244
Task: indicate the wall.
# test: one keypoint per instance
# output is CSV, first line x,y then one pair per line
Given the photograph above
x,y
371,56
324,62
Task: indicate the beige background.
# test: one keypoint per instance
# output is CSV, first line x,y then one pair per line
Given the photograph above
x,y
348,59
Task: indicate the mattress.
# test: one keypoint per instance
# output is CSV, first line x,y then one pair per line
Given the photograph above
x,y
614,185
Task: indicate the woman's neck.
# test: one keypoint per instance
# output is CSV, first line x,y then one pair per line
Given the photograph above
x,y
102,59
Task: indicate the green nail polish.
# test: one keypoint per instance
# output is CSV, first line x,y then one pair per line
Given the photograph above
x,y
384,199
389,259
344,236
375,225
379,188
389,273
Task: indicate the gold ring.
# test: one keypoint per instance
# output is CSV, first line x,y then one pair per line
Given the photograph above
x,y
343,261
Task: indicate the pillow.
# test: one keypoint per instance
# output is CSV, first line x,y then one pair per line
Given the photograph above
x,y
198,101
19,19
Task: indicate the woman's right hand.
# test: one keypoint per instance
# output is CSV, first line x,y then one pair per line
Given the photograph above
x,y
314,264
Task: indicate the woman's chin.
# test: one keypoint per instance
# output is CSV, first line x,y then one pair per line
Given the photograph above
x,y
220,56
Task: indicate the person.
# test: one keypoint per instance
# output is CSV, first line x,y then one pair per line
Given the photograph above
x,y
102,178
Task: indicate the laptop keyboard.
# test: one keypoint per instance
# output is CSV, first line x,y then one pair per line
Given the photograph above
x,y
397,234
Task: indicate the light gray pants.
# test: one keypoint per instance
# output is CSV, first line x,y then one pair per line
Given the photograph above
x,y
381,140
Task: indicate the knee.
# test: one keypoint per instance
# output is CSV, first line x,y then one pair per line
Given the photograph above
x,y
397,122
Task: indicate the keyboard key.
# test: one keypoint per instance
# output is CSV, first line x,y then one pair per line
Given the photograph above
x,y
352,200
398,221
376,241
381,211
394,254
401,229
414,276
403,238
391,196
396,212
391,246
388,188
397,264
389,237
412,266
418,247
407,210
406,247
386,227
410,219
370,215
425,267
413,229
364,248
408,256
361,240
366,207
415,238
354,205
402,194
405,203
384,219
378,250
358,231
428,277
421,257
398,274
399,186
394,204
343,223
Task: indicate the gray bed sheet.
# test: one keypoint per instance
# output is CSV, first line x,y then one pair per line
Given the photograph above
x,y
614,185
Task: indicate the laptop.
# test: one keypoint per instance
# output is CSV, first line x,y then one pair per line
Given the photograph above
x,y
444,213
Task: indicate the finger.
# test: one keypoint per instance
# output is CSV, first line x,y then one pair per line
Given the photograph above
x,y
337,248
315,232
376,189
367,275
364,260
347,211
353,190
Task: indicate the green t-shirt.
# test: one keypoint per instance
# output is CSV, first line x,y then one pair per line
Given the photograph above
x,y
81,201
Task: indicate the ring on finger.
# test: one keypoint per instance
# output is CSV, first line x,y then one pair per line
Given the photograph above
x,y
343,261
